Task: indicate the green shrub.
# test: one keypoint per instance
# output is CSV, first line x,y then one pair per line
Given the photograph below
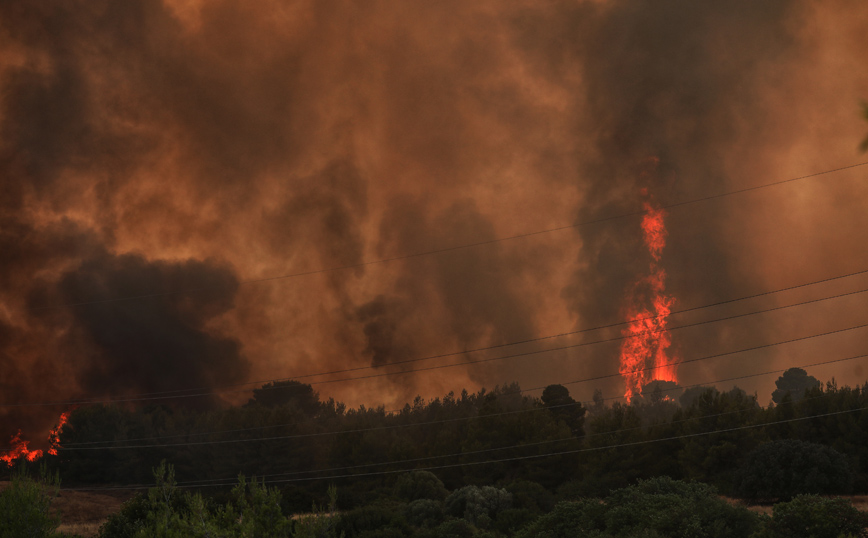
x,y
420,485
167,512
567,520
424,513
676,509
129,520
456,528
531,496
513,519
479,506
786,468
373,517
25,505
656,507
812,516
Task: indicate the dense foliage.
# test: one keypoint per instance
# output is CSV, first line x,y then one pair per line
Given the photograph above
x,y
25,505
489,463
656,507
286,434
811,516
788,467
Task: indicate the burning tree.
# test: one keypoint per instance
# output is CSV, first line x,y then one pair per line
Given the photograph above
x,y
645,354
19,446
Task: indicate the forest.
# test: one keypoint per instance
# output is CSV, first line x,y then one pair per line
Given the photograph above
x,y
491,463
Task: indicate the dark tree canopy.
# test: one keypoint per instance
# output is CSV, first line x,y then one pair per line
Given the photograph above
x,y
557,398
812,516
420,485
658,390
794,382
556,395
789,467
693,393
280,393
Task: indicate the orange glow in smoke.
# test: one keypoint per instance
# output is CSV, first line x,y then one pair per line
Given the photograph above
x,y
645,353
19,446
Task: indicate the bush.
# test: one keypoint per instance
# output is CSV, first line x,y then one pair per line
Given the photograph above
x,y
479,506
531,495
786,468
128,521
373,517
25,505
676,509
166,512
568,519
420,485
656,507
456,528
424,513
812,516
513,519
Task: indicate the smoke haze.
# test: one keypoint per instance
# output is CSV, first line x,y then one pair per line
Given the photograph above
x,y
190,150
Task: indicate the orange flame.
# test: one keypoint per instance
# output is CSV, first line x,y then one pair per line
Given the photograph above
x,y
19,446
54,436
645,352
19,450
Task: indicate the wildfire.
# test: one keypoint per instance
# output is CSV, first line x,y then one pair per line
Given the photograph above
x,y
645,352
19,446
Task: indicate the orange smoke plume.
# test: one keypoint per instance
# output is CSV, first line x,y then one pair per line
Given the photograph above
x,y
645,352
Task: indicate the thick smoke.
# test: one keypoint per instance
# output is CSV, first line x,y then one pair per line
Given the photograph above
x,y
674,83
154,147
152,343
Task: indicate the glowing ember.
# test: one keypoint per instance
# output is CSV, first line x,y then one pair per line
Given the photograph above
x,y
19,446
644,355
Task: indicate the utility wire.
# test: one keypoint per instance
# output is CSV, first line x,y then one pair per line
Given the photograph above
x,y
509,344
394,412
174,395
382,428
452,248
505,460
230,480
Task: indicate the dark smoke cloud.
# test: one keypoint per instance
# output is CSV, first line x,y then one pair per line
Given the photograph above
x,y
452,301
149,145
155,343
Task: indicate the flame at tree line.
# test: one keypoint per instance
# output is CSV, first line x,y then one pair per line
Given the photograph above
x,y
19,447
645,355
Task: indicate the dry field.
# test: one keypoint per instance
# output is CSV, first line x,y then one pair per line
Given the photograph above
x,y
859,501
83,512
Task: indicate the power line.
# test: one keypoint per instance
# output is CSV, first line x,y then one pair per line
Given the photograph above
x,y
393,412
322,434
577,451
174,394
505,460
452,248
513,343
551,441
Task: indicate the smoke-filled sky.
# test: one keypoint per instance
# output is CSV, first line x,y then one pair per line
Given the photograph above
x,y
185,150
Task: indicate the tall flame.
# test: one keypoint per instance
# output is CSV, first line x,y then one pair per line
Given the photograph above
x,y
645,352
19,446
